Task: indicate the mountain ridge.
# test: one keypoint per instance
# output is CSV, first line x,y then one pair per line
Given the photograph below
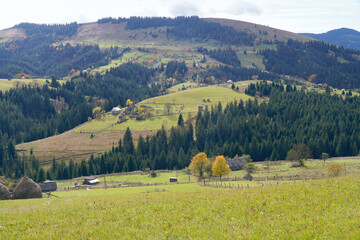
x,y
345,37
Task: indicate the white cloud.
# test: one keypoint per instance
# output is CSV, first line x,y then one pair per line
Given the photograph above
x,y
184,9
243,7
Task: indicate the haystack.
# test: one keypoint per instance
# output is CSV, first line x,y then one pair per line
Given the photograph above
x,y
248,177
27,188
4,192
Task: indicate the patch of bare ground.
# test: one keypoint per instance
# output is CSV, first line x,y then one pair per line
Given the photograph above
x,y
75,145
12,33
114,34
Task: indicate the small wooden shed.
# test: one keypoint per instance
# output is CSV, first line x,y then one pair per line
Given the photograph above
x,y
48,186
173,179
91,181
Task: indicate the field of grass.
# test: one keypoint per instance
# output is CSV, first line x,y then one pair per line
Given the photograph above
x,y
251,59
184,102
193,98
5,84
317,209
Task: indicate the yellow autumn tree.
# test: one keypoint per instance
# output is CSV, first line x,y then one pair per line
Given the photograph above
x,y
129,102
219,167
199,163
97,112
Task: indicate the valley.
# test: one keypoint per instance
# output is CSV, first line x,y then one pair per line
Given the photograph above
x,y
177,128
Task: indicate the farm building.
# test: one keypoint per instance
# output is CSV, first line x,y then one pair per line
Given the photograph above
x,y
91,181
173,179
115,110
48,186
140,118
236,163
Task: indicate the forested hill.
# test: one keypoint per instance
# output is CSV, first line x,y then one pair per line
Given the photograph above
x,y
270,130
348,38
315,61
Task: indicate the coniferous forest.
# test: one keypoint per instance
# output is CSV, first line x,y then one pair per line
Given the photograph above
x,y
336,66
325,123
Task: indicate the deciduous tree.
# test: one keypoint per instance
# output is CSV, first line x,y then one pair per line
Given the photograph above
x,y
199,163
220,167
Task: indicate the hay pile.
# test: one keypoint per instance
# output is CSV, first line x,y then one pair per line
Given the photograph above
x,y
4,192
248,177
27,188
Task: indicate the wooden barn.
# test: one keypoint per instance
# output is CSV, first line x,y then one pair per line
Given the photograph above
x,y
48,186
236,163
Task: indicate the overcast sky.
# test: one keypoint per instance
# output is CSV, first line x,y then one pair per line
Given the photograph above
x,y
315,16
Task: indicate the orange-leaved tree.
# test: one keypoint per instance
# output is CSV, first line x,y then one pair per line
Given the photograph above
x,y
199,163
220,167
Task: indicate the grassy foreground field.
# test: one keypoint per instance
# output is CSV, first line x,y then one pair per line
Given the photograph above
x,y
319,209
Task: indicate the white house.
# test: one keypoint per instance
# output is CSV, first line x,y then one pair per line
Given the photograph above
x,y
115,110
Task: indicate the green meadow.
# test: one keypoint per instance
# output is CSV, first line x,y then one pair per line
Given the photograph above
x,y
6,84
185,102
316,209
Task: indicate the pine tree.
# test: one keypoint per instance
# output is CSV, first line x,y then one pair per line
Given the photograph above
x,y
180,120
128,142
41,177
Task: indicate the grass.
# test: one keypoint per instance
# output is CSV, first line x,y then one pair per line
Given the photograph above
x,y
251,58
321,209
5,84
193,98
184,102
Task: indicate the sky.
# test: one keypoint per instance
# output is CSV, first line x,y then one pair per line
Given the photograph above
x,y
312,16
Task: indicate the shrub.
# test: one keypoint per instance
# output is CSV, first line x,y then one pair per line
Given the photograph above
x,y
250,167
335,169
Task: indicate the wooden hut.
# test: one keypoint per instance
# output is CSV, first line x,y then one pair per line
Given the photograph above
x,y
48,186
236,163
91,181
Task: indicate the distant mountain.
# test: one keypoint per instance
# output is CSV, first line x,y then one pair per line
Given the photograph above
x,y
345,37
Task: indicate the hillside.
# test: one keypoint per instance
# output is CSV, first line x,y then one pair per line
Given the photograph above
x,y
263,33
79,144
345,37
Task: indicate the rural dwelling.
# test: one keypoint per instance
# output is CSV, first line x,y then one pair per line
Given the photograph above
x,y
115,110
48,186
140,118
91,181
236,163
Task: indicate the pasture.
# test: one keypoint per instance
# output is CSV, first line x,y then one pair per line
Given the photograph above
x,y
185,102
6,84
316,209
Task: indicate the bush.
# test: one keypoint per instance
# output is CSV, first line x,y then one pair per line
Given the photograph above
x,y
335,169
250,167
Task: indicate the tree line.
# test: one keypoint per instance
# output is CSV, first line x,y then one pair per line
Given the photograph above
x,y
187,28
227,55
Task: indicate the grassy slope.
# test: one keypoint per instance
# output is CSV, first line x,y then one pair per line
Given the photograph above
x,y
281,35
5,84
182,101
322,209
78,144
